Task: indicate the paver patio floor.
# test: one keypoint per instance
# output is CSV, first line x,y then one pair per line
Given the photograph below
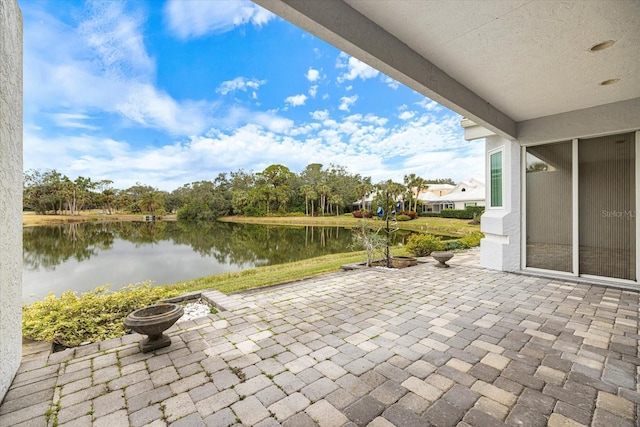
x,y
421,346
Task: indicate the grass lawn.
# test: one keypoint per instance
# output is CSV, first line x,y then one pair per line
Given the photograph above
x,y
275,274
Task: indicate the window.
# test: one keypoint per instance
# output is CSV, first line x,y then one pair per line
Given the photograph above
x,y
495,164
466,205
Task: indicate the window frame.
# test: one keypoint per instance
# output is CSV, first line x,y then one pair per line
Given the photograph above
x,y
490,154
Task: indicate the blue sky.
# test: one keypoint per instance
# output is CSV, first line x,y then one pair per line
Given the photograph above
x,y
166,93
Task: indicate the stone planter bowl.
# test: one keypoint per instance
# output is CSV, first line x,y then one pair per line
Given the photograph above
x,y
402,261
442,257
153,321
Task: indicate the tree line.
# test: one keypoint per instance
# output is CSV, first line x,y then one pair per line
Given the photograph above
x,y
317,190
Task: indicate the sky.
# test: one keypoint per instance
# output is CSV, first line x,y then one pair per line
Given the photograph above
x,y
166,93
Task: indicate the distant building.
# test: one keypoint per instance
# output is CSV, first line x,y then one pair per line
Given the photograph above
x,y
466,193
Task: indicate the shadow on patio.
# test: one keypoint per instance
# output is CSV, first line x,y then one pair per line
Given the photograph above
x,y
414,347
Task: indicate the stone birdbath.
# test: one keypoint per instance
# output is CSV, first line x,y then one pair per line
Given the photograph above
x,y
442,257
153,321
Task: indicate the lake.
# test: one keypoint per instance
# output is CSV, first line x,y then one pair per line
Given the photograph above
x,y
82,256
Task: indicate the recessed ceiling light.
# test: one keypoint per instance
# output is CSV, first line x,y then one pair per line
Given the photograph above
x,y
609,82
602,46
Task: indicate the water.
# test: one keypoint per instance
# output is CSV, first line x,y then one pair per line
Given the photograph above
x,y
80,257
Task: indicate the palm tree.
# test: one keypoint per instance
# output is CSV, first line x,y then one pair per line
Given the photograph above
x,y
324,191
151,201
336,200
309,194
364,188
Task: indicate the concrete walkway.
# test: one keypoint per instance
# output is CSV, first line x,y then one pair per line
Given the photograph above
x,y
421,346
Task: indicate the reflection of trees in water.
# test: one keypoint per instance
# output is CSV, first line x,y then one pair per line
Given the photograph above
x,y
46,247
228,243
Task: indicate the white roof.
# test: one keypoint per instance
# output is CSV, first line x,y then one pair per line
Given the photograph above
x,y
475,194
438,187
472,189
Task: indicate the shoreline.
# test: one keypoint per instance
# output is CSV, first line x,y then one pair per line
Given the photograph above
x,y
31,219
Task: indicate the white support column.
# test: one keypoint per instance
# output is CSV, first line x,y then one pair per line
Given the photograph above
x,y
10,192
500,249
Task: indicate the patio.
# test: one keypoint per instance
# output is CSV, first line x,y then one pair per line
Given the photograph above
x,y
421,346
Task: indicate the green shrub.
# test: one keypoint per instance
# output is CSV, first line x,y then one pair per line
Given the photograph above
x,y
254,211
475,210
469,212
471,240
452,245
422,244
93,316
403,217
430,214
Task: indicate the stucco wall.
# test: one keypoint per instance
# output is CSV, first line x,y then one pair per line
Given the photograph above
x,y
500,248
10,191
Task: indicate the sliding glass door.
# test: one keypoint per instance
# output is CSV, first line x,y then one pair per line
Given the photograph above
x,y
548,201
580,207
607,204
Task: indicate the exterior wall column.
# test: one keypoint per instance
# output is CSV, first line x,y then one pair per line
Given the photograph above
x,y
10,192
500,249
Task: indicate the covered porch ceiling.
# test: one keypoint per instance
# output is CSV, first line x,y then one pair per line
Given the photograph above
x,y
497,62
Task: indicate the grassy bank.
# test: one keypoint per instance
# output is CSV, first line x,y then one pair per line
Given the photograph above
x,y
274,274
31,219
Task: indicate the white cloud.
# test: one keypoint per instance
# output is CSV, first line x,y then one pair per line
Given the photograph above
x,y
196,18
239,83
115,36
101,67
391,82
296,100
146,105
369,144
313,91
346,102
406,115
71,120
429,105
356,69
312,75
320,115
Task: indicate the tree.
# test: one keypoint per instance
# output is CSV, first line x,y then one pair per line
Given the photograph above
x,y
309,195
387,194
415,185
151,202
336,200
363,188
368,239
206,200
42,191
324,191
275,186
108,194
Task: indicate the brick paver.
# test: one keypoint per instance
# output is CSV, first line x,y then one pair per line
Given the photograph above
x,y
460,346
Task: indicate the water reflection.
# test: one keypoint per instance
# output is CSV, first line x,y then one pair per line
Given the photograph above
x,y
83,256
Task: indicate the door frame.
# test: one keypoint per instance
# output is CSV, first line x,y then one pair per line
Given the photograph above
x,y
575,211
